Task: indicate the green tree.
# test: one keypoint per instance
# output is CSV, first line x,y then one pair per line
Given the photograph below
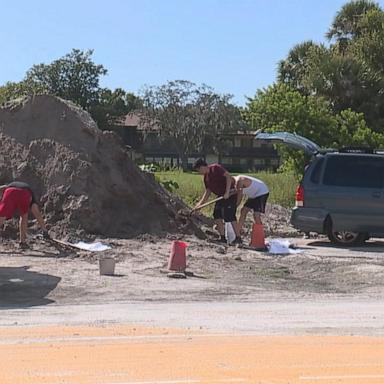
x,y
112,105
292,70
73,77
346,25
283,108
190,116
348,73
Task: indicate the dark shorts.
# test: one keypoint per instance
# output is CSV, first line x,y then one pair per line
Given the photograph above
x,y
226,209
258,203
15,199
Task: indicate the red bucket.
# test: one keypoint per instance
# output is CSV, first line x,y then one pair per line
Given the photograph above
x,y
178,256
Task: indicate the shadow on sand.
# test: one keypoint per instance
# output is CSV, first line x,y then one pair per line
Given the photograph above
x,y
22,288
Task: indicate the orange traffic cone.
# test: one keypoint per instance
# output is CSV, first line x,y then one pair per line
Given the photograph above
x,y
177,258
257,237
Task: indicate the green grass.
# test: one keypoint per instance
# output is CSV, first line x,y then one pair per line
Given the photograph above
x,y
282,187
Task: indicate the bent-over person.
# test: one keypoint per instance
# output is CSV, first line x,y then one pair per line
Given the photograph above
x,y
257,194
19,197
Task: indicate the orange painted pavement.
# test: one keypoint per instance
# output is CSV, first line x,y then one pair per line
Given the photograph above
x,y
138,355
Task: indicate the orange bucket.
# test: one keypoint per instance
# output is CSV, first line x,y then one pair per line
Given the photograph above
x,y
257,238
178,256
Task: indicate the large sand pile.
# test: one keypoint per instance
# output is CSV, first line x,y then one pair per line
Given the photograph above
x,y
85,179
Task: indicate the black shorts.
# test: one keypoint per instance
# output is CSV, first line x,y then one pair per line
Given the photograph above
x,y
258,203
226,209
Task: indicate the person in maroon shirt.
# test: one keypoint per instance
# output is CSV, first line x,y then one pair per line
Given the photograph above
x,y
220,182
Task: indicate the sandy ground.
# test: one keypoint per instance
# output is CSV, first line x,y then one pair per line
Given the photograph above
x,y
323,289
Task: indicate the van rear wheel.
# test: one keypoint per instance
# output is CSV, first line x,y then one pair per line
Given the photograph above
x,y
346,237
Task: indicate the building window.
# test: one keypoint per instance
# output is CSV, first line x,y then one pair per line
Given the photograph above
x,y
258,161
237,142
227,160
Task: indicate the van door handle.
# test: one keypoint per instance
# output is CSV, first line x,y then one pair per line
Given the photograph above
x,y
376,194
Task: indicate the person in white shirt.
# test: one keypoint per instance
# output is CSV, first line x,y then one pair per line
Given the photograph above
x,y
257,194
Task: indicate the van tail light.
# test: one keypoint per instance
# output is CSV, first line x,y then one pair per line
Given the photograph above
x,y
300,196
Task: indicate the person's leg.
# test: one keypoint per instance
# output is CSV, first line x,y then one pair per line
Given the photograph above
x,y
243,215
220,226
229,208
257,217
23,225
218,216
235,226
258,205
38,216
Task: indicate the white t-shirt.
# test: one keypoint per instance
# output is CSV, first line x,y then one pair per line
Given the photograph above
x,y
257,187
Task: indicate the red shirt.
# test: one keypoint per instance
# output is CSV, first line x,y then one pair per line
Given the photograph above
x,y
215,180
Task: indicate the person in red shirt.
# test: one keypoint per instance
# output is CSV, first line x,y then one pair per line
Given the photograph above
x,y
18,196
217,180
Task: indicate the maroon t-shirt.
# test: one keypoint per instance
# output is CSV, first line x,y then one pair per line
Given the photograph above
x,y
215,180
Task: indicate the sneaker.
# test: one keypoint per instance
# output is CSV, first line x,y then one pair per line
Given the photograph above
x,y
46,234
220,240
237,241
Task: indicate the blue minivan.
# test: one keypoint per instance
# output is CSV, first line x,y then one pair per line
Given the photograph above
x,y
341,193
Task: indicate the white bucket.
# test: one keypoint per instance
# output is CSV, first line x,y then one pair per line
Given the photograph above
x,y
107,266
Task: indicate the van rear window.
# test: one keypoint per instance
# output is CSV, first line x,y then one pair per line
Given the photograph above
x,y
316,173
354,171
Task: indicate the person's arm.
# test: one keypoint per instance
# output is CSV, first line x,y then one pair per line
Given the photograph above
x,y
228,180
239,185
2,189
203,199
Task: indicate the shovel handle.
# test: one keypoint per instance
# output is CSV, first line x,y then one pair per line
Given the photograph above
x,y
209,203
231,192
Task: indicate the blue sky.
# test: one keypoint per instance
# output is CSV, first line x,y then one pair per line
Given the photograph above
x,y
232,45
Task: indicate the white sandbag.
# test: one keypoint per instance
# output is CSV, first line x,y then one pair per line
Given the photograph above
x,y
230,234
281,247
93,247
